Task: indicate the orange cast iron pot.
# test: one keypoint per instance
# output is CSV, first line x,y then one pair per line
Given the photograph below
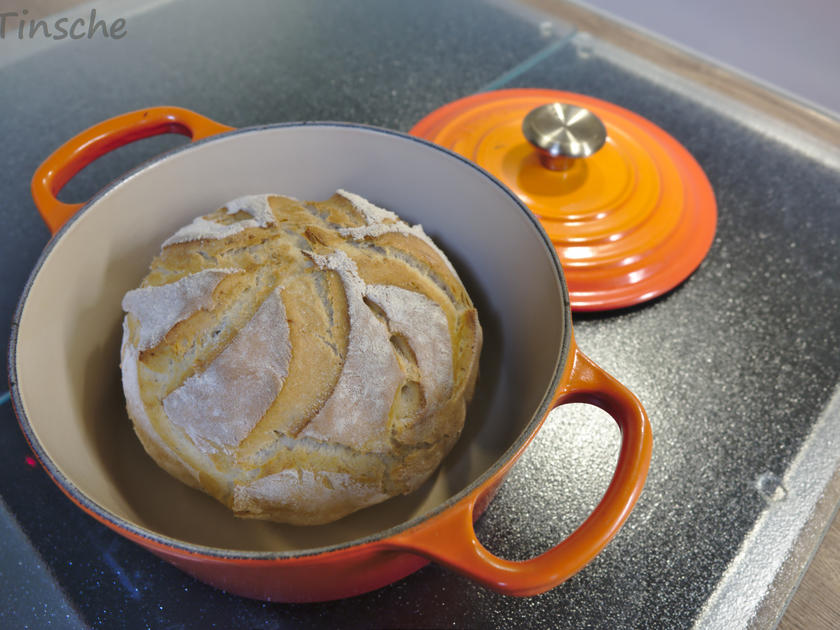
x,y
64,356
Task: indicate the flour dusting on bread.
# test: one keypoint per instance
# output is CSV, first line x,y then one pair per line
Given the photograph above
x,y
204,229
159,308
143,426
255,205
297,365
424,325
221,405
380,221
306,493
356,414
372,213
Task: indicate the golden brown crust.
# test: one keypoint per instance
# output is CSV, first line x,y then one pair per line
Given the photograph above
x,y
383,345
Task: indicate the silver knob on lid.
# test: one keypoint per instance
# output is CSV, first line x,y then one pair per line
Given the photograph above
x,y
563,133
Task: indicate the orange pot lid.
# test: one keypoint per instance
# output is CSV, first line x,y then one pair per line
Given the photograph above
x,y
629,222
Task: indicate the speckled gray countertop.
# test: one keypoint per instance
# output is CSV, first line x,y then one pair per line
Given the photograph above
x,y
736,367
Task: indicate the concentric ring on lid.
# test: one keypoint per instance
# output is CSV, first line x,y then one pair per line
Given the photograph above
x,y
629,223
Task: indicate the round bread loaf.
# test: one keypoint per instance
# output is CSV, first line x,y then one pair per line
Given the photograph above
x,y
299,361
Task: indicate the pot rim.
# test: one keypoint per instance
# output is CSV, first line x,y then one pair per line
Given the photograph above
x,y
164,542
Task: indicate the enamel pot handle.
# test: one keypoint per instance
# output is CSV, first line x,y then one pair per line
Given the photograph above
x,y
449,538
72,156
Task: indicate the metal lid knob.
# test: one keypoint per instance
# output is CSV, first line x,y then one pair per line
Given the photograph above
x,y
563,133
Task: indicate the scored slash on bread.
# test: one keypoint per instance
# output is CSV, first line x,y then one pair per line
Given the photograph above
x,y
299,360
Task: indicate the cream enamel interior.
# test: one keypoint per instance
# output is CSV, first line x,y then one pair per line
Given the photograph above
x,y
66,357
